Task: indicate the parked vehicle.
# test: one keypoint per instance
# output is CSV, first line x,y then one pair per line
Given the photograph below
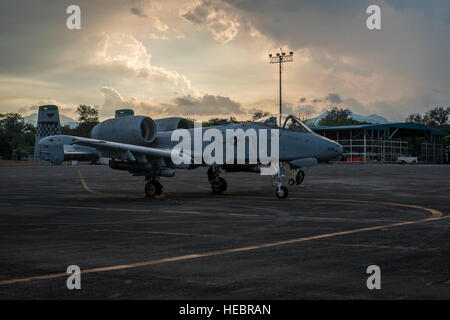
x,y
407,160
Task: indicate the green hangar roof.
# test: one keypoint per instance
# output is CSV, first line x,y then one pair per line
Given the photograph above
x,y
404,126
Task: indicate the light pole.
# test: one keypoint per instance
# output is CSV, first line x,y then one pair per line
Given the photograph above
x,y
280,58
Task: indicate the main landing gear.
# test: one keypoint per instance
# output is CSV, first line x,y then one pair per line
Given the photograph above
x,y
153,187
218,184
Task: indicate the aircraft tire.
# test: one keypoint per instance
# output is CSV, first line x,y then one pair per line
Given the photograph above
x,y
159,188
219,186
151,189
283,193
299,177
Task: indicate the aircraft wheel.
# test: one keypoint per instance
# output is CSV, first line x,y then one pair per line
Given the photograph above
x,y
299,177
291,182
219,186
152,189
159,188
282,193
211,174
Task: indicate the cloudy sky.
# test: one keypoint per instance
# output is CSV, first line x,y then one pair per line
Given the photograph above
x,y
208,58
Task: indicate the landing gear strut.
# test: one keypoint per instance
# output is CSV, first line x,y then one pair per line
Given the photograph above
x,y
218,184
153,187
280,191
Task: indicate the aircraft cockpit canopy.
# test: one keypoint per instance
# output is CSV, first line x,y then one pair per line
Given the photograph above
x,y
290,122
293,124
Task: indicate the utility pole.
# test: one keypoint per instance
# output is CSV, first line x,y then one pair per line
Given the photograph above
x,y
280,58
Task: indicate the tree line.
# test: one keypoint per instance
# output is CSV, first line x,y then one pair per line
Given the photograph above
x,y
437,118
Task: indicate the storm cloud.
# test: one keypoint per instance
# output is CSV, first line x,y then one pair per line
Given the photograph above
x,y
333,98
204,105
207,12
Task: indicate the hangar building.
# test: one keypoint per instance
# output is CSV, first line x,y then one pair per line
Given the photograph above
x,y
384,143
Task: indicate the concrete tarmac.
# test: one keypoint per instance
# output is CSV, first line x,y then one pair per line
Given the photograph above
x,y
243,244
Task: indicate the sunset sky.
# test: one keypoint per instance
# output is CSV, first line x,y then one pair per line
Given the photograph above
x,y
209,58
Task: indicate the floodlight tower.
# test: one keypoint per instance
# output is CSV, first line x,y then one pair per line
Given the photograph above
x,y
280,58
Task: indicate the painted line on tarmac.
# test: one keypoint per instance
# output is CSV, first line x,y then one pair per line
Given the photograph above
x,y
438,190
241,215
46,226
187,212
86,187
436,215
106,209
434,212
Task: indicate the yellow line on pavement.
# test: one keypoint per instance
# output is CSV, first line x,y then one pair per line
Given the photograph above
x,y
86,187
436,215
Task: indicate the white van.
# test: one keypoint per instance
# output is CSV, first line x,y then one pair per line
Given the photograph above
x,y
407,160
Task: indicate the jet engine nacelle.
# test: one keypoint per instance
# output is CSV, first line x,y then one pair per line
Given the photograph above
x,y
138,130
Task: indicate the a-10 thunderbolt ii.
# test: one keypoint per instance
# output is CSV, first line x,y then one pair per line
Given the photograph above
x,y
154,148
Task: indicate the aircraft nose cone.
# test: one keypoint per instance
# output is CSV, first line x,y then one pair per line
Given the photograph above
x,y
339,149
334,150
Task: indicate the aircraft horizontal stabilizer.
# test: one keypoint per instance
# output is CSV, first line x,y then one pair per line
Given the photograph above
x,y
121,150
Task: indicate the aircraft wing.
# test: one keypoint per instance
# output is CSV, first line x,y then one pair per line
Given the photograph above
x,y
112,149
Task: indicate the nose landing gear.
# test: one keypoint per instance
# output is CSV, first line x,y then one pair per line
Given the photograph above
x,y
280,191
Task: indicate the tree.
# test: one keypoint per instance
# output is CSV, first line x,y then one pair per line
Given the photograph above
x,y
212,122
338,117
233,120
87,114
338,113
15,134
88,117
437,118
415,117
259,114
303,116
68,131
191,121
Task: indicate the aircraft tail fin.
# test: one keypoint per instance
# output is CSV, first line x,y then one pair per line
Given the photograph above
x,y
47,125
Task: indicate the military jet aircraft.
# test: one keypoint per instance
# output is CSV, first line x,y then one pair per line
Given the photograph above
x,y
146,147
